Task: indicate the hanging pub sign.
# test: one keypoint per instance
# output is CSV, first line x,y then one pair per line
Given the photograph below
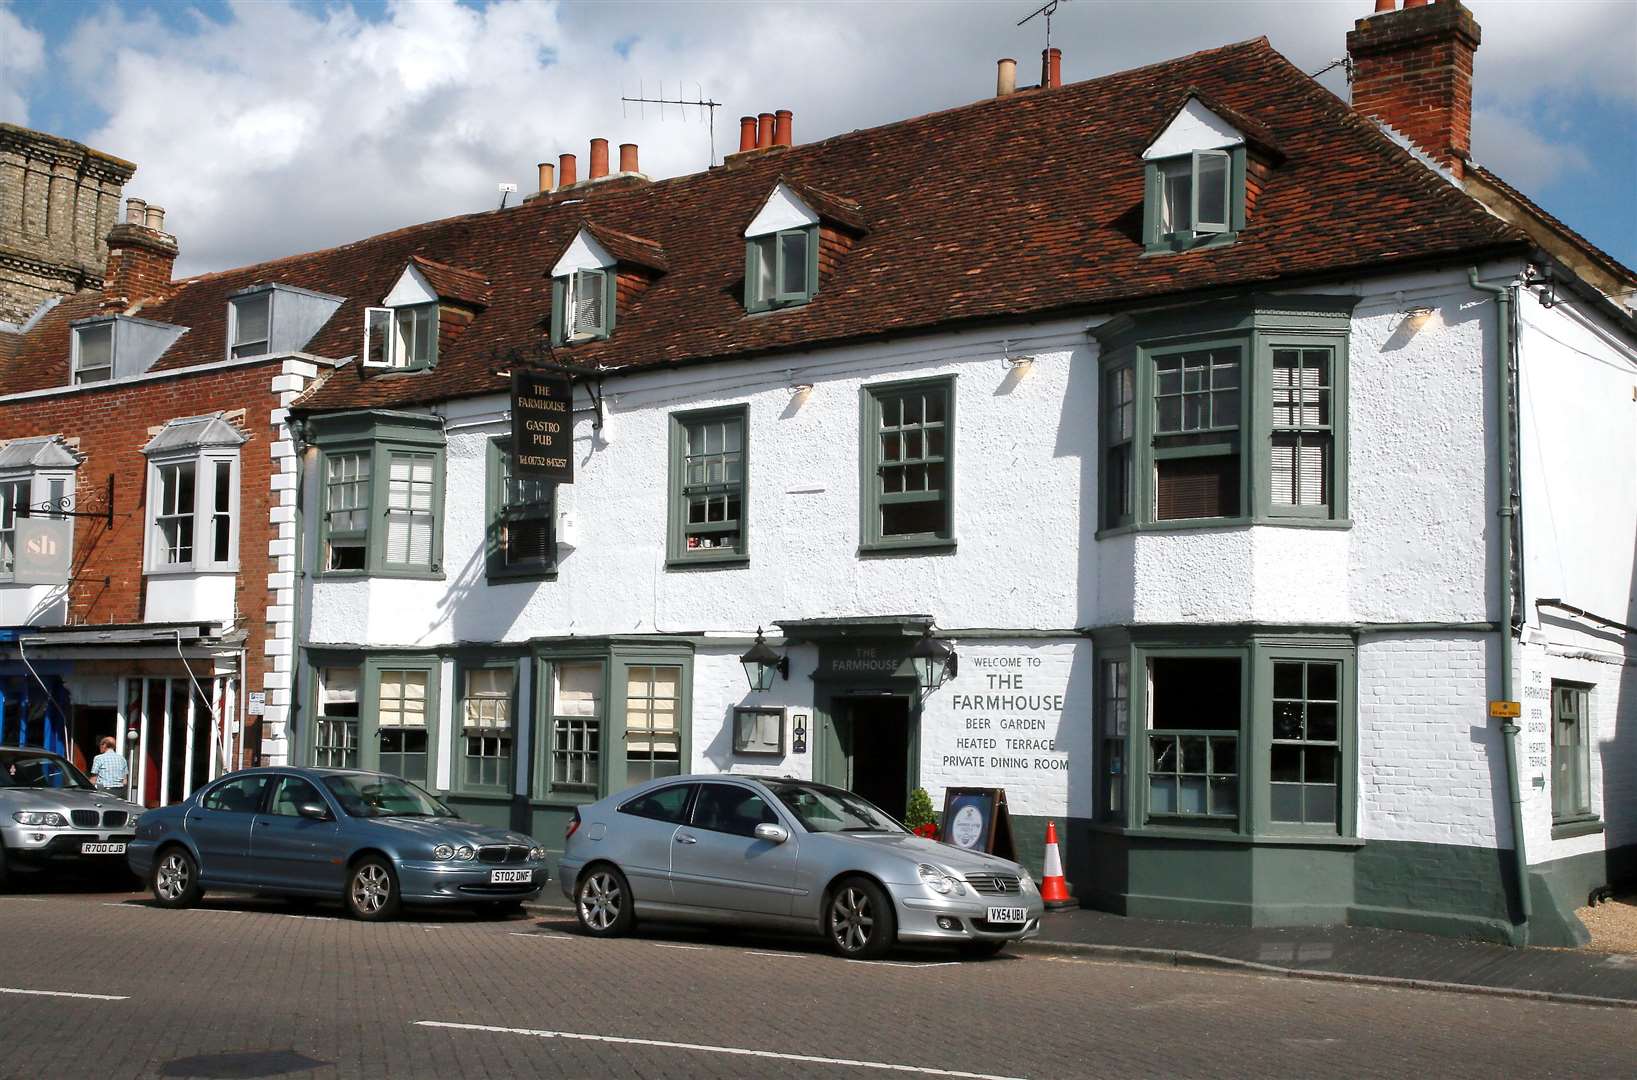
x,y
543,426
977,819
42,550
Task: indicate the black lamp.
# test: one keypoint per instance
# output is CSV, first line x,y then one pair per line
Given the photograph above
x,y
935,662
761,662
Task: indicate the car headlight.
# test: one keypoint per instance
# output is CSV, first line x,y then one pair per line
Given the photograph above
x,y
1026,879
40,819
464,854
940,882
536,854
443,852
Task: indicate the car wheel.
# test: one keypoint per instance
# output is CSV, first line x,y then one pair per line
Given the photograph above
x,y
859,920
372,890
981,950
602,902
175,879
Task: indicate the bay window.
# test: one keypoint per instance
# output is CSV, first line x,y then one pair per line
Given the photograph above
x,y
13,493
193,508
1226,413
401,725
335,724
378,713
653,746
487,726
380,499
576,726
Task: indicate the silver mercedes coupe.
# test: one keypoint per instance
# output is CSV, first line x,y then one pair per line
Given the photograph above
x,y
786,854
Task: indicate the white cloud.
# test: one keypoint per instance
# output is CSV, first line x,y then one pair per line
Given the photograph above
x,y
1523,157
20,60
287,126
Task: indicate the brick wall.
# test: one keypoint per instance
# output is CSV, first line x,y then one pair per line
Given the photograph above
x,y
1412,69
111,425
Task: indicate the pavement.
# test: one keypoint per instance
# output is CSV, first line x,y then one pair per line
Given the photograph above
x,y
105,985
1347,953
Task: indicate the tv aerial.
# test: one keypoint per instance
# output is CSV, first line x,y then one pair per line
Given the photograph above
x,y
1047,10
707,107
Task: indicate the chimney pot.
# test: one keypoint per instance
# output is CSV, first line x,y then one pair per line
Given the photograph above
x,y
1005,77
1414,3
599,158
1051,68
565,171
156,218
546,181
747,133
136,212
783,124
628,157
764,130
1384,5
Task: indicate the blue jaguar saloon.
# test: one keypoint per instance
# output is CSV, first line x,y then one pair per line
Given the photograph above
x,y
371,840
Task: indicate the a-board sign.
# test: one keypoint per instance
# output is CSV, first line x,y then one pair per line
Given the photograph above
x,y
543,426
977,819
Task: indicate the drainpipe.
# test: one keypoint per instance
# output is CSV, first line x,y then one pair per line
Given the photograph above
x,y
1505,345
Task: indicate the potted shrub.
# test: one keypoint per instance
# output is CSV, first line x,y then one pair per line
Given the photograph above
x,y
918,815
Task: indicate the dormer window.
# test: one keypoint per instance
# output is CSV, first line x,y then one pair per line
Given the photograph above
x,y
250,318
781,252
583,291
403,332
1194,193
94,352
585,303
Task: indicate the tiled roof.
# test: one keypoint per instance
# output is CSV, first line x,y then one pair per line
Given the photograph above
x,y
453,283
1609,263
626,248
1016,206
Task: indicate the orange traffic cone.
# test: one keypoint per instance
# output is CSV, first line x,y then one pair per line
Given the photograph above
x,y
1054,890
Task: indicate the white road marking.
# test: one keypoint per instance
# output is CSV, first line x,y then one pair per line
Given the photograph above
x,y
27,899
663,945
63,993
546,935
908,963
790,955
737,1051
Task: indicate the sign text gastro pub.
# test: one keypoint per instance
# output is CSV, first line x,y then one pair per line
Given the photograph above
x,y
543,426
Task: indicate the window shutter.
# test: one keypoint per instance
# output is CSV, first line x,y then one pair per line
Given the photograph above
x,y
559,302
377,336
1201,487
1211,202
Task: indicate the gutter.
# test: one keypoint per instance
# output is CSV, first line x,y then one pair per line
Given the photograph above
x,y
1505,350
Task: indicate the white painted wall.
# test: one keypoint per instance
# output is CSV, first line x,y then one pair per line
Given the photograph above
x,y
190,597
1195,128
1577,439
33,605
784,209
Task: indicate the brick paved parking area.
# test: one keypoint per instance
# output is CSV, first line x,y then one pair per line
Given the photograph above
x,y
106,986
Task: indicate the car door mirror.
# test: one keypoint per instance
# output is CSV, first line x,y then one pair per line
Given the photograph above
x,y
317,811
778,834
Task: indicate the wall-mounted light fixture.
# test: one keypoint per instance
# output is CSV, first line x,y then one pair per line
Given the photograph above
x,y
935,662
1014,362
761,662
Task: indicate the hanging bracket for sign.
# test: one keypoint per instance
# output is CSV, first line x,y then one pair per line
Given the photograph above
x,y
541,357
59,508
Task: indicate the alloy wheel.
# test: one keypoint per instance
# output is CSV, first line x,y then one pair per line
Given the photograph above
x,y
173,877
370,888
600,900
851,920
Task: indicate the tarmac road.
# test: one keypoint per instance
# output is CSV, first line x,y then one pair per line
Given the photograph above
x,y
103,985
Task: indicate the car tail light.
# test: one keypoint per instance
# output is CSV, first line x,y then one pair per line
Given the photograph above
x,y
573,825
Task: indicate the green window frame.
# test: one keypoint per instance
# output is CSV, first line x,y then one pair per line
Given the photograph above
x,y
1297,700
907,465
1194,200
375,712
1281,460
415,336
521,542
1571,753
708,518
591,295
611,716
781,268
381,497
486,742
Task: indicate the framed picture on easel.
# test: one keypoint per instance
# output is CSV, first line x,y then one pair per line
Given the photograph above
x,y
977,819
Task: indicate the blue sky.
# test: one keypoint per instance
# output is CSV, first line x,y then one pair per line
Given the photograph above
x,y
276,126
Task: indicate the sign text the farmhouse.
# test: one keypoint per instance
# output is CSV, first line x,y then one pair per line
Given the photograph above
x,y
543,426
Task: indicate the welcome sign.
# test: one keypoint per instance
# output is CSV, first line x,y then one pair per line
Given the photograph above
x,y
543,426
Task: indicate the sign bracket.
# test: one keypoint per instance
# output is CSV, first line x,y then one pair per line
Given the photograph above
x,y
59,508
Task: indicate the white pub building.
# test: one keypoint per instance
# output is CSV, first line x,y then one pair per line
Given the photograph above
x,y
1220,450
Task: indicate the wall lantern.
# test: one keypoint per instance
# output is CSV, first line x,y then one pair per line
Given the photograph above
x,y
761,662
935,662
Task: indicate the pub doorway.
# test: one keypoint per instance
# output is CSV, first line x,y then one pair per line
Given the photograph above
x,y
877,742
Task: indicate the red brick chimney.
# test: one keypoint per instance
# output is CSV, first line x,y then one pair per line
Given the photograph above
x,y
1412,70
141,256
